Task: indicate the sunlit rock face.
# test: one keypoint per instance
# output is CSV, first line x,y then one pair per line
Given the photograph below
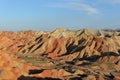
x,y
60,54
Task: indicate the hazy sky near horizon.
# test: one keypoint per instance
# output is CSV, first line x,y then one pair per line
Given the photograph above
x,y
52,14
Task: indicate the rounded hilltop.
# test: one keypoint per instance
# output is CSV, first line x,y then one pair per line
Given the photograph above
x,y
60,54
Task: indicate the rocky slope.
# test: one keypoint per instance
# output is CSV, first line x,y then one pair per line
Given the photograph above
x,y
61,54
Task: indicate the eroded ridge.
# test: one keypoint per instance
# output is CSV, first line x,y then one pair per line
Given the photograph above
x,y
60,54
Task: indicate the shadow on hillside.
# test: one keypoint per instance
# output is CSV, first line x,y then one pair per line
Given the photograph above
x,y
76,78
96,57
35,78
72,49
35,71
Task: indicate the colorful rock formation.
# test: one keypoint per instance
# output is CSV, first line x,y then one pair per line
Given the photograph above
x,y
60,54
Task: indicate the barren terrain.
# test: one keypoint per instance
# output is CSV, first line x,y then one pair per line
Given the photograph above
x,y
60,55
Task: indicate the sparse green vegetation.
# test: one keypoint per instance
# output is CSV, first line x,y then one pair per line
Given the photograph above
x,y
34,60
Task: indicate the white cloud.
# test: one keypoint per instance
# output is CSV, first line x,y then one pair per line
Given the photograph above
x,y
86,8
76,6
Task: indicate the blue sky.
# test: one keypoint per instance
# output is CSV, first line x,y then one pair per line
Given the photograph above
x,y
52,14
